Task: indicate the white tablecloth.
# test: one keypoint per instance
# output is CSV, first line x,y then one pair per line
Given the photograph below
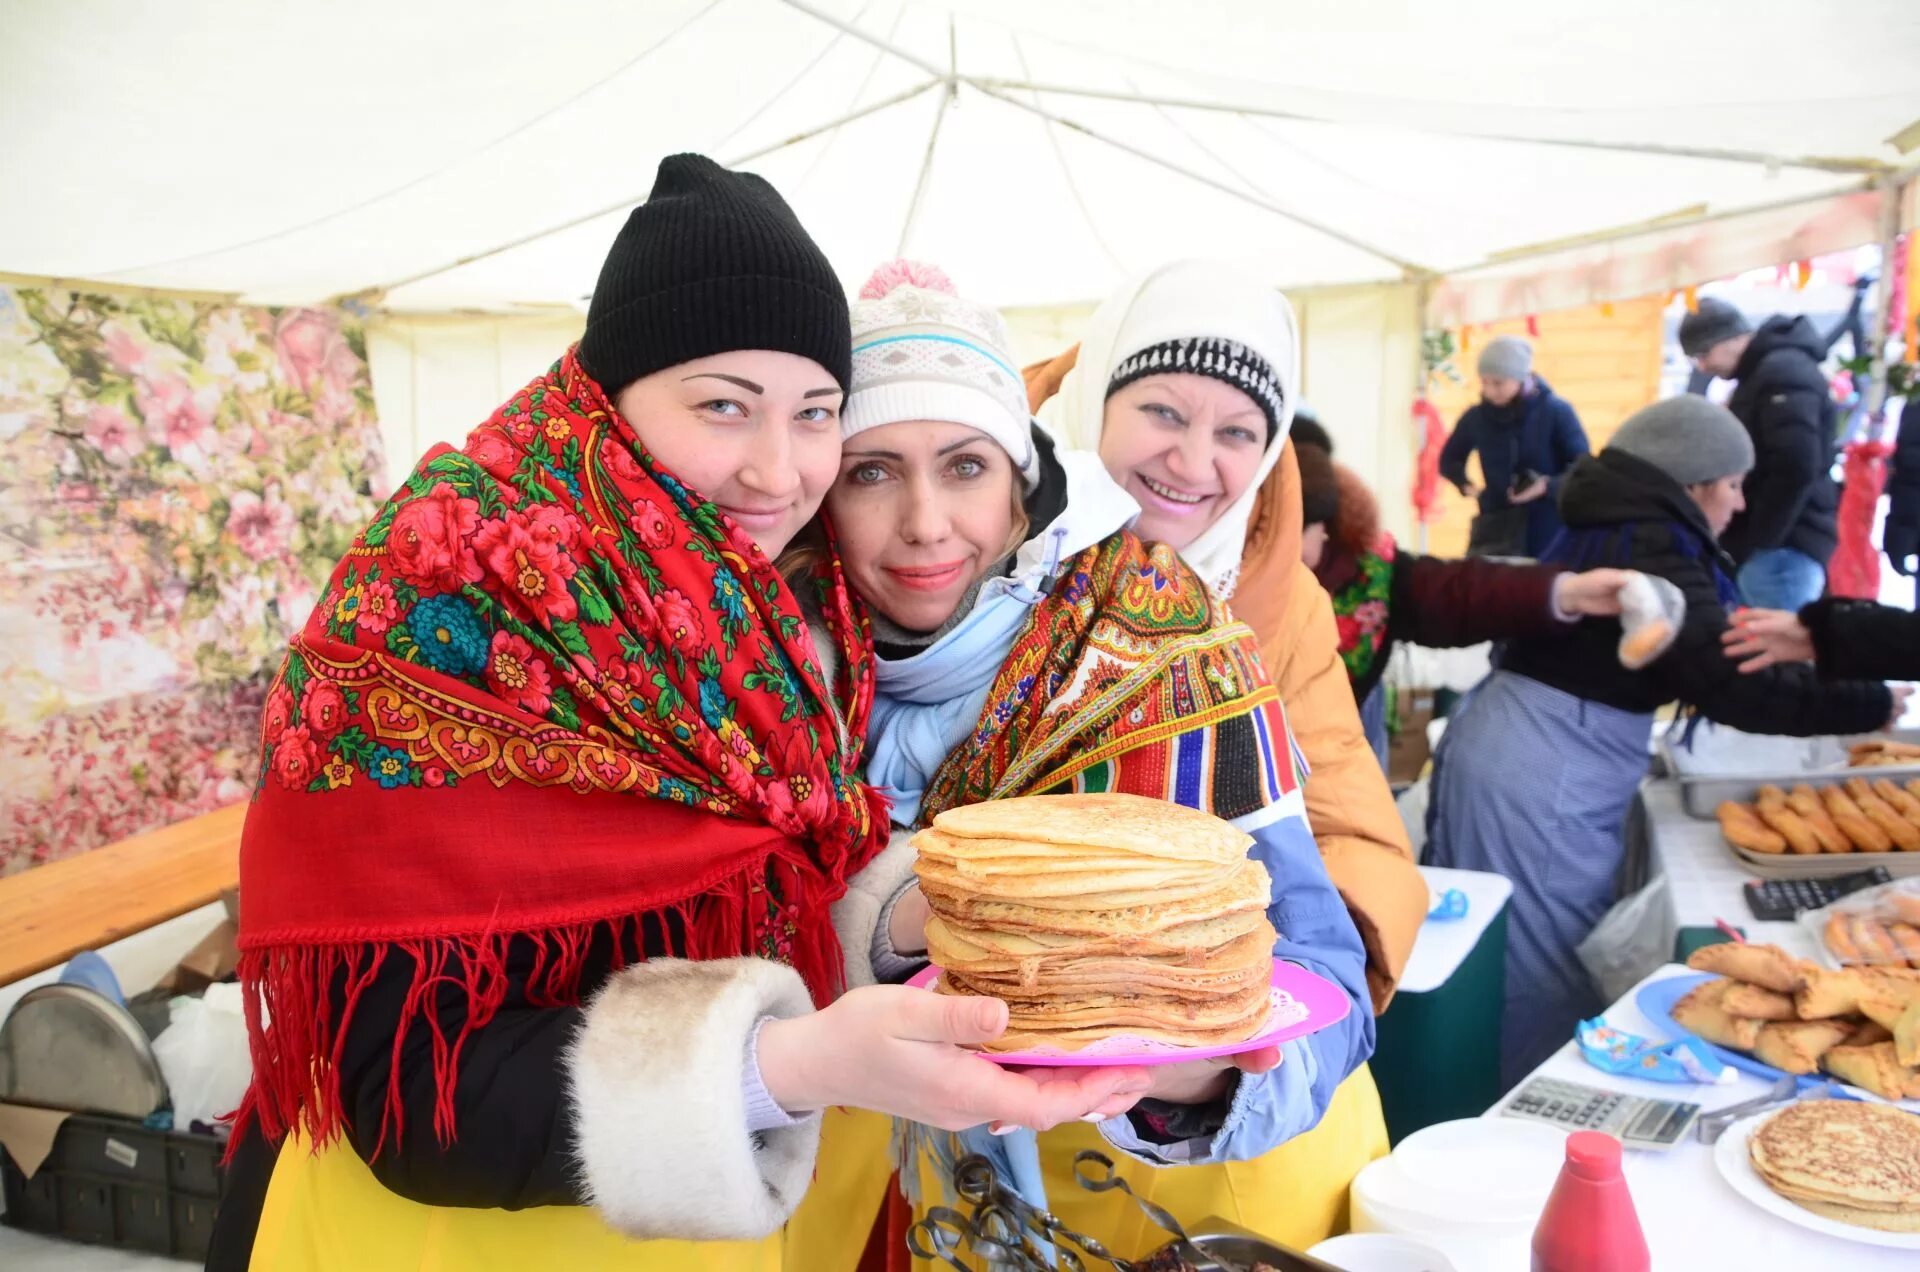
x,y
1694,1220
1705,876
1443,944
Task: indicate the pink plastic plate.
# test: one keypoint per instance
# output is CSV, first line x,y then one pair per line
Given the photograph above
x,y
1303,1003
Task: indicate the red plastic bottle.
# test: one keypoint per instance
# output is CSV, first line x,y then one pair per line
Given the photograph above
x,y
1589,1224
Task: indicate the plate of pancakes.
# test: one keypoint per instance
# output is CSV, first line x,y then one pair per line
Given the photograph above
x,y
1116,928
1845,1168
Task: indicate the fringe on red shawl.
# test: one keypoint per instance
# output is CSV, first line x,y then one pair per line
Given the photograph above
x,y
300,1000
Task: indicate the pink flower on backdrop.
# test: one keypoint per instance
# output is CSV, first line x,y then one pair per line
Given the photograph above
x,y
112,432
314,356
178,417
296,601
262,526
430,543
125,351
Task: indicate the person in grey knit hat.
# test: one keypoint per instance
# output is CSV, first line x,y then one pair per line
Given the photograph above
x,y
1688,438
1526,437
1538,770
1506,358
1713,323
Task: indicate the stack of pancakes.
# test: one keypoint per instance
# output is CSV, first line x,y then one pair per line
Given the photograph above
x,y
1096,915
1846,1160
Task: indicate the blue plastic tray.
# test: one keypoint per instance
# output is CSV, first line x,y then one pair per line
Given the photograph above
x,y
1656,1002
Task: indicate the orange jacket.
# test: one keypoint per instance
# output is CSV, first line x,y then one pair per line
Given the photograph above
x,y
1348,803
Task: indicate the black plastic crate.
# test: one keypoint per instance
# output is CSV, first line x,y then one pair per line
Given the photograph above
x,y
114,1182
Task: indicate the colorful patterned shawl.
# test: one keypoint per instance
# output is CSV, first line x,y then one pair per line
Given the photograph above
x,y
530,686
1131,676
1361,608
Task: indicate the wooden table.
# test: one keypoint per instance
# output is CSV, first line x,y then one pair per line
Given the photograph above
x,y
50,913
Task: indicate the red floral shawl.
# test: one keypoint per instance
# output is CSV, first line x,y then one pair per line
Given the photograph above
x,y
532,682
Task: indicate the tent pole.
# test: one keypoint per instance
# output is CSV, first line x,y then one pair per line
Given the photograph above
x,y
1407,267
1890,192
933,142
596,214
1423,290
1818,163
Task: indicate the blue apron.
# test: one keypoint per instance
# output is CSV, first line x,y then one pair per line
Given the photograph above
x,y
1534,784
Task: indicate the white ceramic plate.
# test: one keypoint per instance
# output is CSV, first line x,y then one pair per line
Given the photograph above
x,y
1736,1167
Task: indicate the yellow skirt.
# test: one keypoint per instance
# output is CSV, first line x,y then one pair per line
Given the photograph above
x,y
326,1212
1296,1195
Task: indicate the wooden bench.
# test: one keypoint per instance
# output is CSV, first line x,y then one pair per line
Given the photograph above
x,y
50,913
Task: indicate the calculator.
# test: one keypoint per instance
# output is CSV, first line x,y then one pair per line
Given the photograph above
x,y
1634,1120
1773,899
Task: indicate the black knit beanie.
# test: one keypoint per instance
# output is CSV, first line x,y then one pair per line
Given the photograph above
x,y
713,261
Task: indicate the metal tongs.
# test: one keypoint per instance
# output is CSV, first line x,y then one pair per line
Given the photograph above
x,y
1008,1231
1094,1172
1711,1126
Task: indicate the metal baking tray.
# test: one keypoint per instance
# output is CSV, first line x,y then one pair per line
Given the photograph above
x,y
1814,865
1701,793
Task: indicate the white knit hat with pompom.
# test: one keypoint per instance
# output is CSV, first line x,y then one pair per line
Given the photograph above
x,y
920,352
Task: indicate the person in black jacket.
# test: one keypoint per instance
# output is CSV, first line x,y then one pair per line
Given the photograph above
x,y
1527,437
1844,639
1538,768
1900,537
1790,528
1383,594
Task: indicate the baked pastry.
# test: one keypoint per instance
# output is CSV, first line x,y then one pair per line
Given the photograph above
x,y
1803,800
1797,1047
1899,798
1096,915
1876,1068
1699,1012
1904,834
1843,1159
1838,938
1789,825
1866,1033
1767,966
1860,830
1905,904
1744,829
1755,1003
1906,941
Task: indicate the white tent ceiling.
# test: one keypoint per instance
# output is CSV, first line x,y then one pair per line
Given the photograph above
x,y
295,152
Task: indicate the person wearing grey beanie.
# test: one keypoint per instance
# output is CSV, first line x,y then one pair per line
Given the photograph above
x,y
1537,771
1527,438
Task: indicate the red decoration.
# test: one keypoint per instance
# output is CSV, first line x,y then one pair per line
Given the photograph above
x,y
1533,326
1854,570
1426,479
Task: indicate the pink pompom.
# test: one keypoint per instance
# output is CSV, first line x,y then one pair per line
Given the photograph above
x,y
906,273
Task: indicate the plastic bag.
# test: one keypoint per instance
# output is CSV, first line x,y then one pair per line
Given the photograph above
x,y
1875,927
1631,939
1652,611
203,1056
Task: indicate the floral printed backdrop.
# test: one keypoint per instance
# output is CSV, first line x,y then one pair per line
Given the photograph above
x,y
176,481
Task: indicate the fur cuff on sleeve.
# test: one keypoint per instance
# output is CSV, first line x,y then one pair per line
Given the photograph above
x,y
660,1127
857,914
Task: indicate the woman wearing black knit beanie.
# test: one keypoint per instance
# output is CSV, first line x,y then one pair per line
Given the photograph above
x,y
541,934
